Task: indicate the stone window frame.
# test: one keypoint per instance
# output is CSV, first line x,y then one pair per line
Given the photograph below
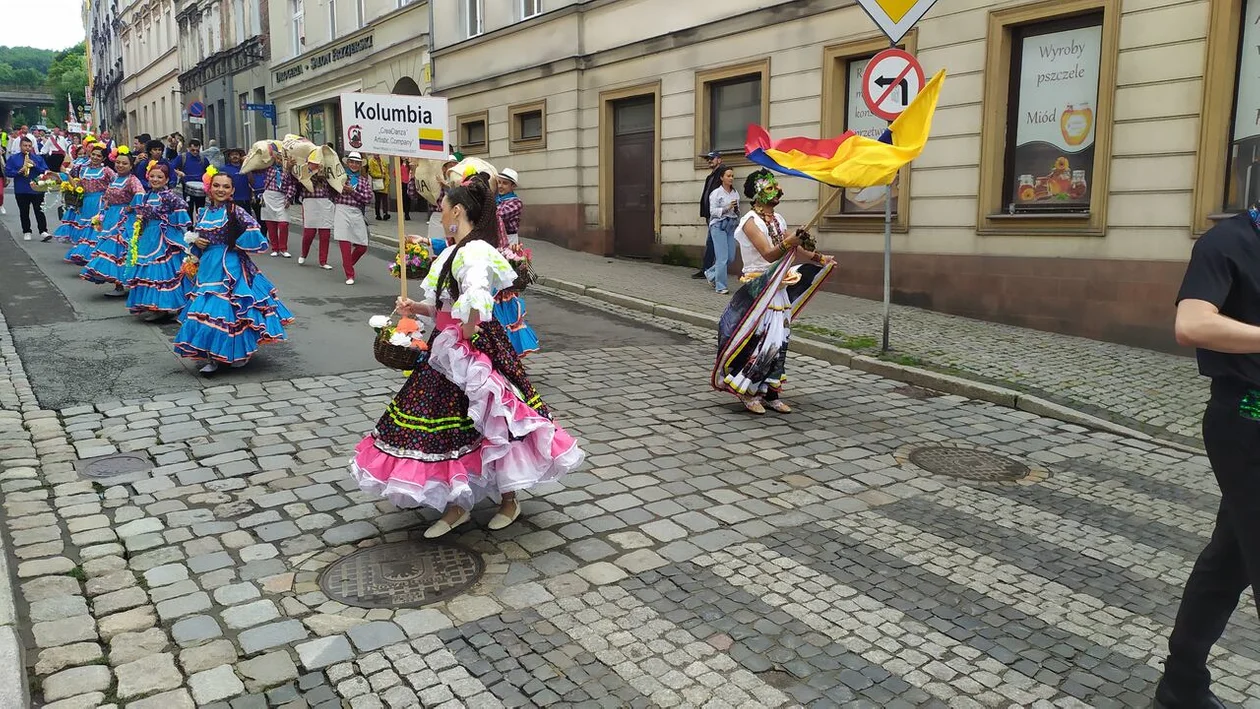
x,y
703,98
991,217
835,87
516,143
1216,127
482,117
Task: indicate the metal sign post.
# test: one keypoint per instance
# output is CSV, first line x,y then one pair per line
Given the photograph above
x,y
269,112
892,79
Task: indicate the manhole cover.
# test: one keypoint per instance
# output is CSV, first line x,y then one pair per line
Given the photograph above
x,y
108,466
968,463
401,575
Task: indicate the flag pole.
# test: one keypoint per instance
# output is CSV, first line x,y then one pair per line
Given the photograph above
x,y
835,194
402,228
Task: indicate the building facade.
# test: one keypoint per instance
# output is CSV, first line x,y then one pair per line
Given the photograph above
x,y
1078,149
224,50
151,94
331,47
104,24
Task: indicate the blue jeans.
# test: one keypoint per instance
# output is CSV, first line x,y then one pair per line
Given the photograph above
x,y
722,236
707,262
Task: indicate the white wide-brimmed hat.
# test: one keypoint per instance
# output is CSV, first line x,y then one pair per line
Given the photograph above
x,y
510,174
354,155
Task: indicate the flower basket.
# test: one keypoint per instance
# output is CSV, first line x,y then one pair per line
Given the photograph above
x,y
395,357
398,346
71,195
521,260
45,185
417,262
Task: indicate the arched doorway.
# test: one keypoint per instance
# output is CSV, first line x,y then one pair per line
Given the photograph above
x,y
407,86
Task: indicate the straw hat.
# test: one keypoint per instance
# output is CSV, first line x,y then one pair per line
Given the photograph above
x,y
510,174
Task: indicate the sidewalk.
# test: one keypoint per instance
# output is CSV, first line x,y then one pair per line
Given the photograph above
x,y
1153,392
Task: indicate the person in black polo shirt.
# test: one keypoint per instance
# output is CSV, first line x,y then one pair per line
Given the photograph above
x,y
1218,312
712,182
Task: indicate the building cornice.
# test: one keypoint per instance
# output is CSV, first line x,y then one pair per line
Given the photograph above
x,y
250,53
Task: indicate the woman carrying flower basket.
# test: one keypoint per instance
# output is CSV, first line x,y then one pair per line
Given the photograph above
x,y
158,286
94,178
468,423
232,308
116,225
509,306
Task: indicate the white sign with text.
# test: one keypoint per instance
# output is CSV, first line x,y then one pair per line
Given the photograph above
x,y
391,124
1247,114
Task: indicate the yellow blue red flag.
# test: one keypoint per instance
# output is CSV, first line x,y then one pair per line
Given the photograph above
x,y
851,160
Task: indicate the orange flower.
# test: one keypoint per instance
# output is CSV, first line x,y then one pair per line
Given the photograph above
x,y
407,326
420,344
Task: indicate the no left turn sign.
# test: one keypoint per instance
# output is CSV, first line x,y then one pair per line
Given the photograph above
x,y
892,79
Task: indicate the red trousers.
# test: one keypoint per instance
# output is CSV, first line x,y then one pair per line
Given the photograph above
x,y
350,255
308,237
278,235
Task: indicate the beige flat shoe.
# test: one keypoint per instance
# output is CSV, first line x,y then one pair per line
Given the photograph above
x,y
780,406
501,521
753,404
442,527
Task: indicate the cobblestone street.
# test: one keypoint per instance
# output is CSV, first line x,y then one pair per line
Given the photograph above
x,y
702,558
1152,391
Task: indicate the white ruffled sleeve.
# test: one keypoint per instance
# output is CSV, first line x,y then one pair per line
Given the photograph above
x,y
429,285
482,271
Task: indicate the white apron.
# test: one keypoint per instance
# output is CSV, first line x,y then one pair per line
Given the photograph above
x,y
435,226
349,225
317,213
274,208
514,239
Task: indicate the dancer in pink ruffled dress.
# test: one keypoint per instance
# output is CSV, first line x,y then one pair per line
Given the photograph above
x,y
468,423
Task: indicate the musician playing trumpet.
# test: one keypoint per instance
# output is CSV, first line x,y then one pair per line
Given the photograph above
x,y
24,167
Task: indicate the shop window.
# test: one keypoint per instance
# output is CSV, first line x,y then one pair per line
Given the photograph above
x,y
1228,179
844,110
474,133
473,18
1046,137
528,126
529,8
728,100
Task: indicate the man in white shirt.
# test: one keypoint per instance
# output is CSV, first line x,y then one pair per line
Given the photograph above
x,y
15,141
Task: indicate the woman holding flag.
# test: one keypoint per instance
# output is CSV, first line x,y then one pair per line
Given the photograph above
x,y
782,272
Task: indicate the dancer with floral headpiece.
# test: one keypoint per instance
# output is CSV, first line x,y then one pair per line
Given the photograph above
x,y
93,178
233,308
468,423
781,273
115,226
156,251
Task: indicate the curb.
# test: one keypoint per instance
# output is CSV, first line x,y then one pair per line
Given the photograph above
x,y
16,399
916,376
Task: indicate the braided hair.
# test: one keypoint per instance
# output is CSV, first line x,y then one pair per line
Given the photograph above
x,y
477,199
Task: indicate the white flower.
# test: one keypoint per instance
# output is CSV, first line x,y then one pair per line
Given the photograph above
x,y
190,237
399,340
378,321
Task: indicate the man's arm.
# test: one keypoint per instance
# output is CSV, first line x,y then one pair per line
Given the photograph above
x,y
1200,324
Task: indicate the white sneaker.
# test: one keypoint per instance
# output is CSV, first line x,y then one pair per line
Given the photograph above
x,y
325,266
301,260
275,254
26,236
2,211
286,254
349,281
210,368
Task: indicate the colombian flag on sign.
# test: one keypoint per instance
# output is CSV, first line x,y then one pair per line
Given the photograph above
x,y
432,139
851,160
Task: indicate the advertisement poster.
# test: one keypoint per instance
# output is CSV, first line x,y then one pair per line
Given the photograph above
x,y
859,119
391,124
1054,133
1244,172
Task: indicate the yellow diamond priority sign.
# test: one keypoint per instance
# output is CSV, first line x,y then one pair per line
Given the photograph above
x,y
896,17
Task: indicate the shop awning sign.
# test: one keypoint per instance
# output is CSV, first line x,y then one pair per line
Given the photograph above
x,y
392,124
896,17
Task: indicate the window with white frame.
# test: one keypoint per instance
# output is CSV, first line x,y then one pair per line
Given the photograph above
x,y
298,8
473,24
360,13
238,20
332,19
529,8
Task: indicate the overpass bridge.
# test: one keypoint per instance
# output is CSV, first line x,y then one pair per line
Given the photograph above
x,y
15,97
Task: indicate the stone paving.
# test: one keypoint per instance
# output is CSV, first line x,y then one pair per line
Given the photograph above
x,y
1150,391
703,558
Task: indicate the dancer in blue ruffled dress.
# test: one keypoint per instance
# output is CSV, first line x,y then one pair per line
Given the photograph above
x,y
70,216
233,308
108,263
509,306
81,233
159,288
